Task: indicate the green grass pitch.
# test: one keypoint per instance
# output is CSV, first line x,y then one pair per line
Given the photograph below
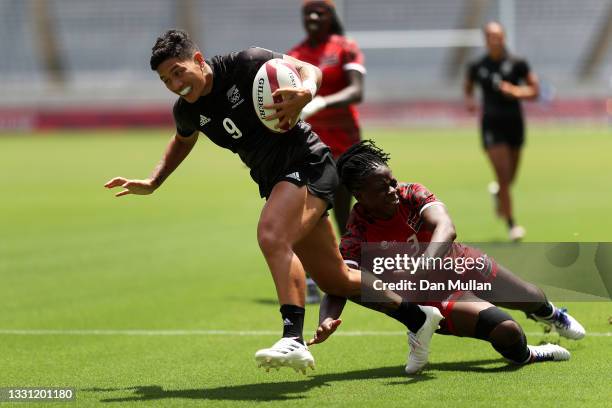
x,y
73,257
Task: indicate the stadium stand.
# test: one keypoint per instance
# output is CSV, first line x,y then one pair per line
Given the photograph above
x,y
104,48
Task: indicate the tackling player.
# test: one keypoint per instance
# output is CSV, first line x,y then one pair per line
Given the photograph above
x,y
389,211
332,112
293,231
505,80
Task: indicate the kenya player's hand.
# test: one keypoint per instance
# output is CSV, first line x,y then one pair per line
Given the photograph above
x,y
140,187
288,111
326,329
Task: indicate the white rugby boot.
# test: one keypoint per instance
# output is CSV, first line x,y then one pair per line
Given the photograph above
x,y
287,352
563,323
516,233
548,352
419,341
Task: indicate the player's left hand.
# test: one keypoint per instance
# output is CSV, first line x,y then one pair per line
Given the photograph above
x,y
131,186
325,329
288,111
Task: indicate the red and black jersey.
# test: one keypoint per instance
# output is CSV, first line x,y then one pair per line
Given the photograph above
x,y
334,57
405,226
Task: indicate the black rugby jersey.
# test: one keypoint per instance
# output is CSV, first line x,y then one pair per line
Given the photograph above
x,y
227,117
489,73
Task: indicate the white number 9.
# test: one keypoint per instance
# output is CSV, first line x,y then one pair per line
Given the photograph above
x,y
231,128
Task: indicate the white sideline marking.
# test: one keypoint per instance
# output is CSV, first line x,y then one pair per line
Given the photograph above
x,y
137,332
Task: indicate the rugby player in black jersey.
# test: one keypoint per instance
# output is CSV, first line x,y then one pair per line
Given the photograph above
x,y
295,173
505,80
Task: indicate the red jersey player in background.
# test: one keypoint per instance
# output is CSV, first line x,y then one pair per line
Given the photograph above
x,y
332,113
398,212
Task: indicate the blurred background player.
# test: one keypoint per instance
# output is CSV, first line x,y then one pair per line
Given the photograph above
x,y
504,80
389,211
332,113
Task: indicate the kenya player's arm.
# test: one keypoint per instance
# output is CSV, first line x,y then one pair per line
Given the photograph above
x,y
436,218
330,310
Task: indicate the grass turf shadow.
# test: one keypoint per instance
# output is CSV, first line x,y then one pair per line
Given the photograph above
x,y
294,390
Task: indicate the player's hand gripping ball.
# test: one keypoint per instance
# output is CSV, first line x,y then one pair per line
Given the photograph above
x,y
274,74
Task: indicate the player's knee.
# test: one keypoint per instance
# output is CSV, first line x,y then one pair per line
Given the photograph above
x,y
270,239
506,334
494,322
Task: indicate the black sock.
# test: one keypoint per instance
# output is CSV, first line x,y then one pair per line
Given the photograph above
x,y
545,311
410,314
510,222
293,321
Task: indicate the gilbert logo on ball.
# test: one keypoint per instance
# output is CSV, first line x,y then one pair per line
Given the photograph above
x,y
272,75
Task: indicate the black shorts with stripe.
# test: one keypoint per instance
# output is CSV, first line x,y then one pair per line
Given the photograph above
x,y
304,161
509,130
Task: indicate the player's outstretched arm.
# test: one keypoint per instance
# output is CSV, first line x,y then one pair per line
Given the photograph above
x,y
329,318
178,148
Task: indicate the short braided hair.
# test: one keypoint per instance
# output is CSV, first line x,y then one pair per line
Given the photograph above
x,y
358,162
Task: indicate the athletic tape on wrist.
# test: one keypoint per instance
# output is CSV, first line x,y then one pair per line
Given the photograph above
x,y
311,86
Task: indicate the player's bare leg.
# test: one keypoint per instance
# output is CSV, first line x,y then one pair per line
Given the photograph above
x,y
515,160
501,158
342,209
285,219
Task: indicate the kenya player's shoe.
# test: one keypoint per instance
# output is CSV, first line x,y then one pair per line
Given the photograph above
x,y
287,352
419,341
548,352
563,323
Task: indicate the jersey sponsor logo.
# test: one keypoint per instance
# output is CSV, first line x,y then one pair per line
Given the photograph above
x,y
204,120
233,95
294,175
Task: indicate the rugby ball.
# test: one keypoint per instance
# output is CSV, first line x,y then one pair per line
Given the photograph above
x,y
275,73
